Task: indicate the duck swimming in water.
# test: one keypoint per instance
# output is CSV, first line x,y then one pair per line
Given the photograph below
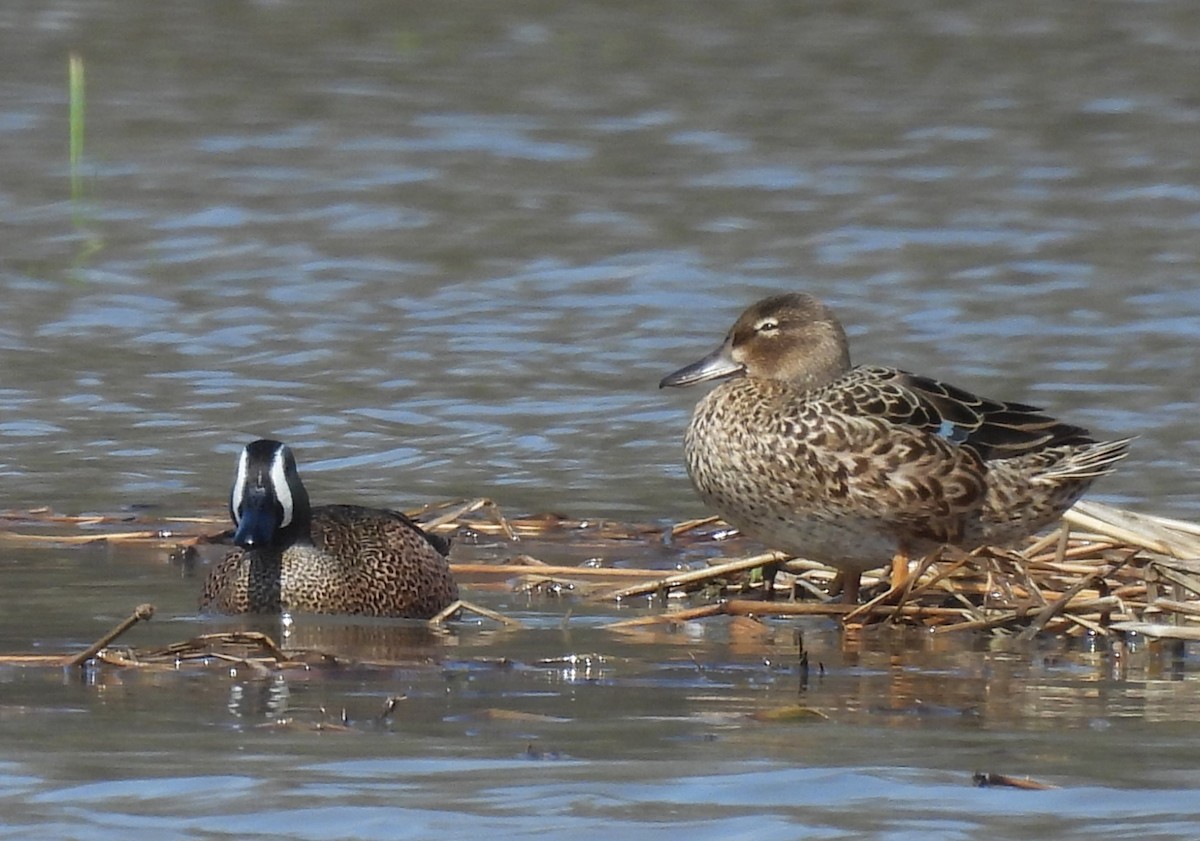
x,y
331,559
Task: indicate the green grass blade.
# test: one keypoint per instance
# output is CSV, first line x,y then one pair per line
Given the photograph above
x,y
76,85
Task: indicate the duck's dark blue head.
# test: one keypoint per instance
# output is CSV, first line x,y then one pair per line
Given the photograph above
x,y
268,502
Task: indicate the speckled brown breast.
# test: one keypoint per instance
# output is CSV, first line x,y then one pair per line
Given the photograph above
x,y
365,561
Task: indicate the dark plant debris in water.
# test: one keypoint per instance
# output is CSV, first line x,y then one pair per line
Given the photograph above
x,y
991,780
1105,571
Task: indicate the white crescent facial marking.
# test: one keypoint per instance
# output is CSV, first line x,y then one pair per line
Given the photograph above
x,y
239,487
283,491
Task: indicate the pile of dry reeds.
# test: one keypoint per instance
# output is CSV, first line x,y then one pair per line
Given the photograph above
x,y
1104,570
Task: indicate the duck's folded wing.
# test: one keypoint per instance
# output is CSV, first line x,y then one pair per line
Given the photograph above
x,y
991,428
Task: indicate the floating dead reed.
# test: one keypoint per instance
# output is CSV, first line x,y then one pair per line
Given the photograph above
x,y
1104,571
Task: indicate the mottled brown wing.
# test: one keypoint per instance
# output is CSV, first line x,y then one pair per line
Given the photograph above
x,y
339,522
991,428
389,566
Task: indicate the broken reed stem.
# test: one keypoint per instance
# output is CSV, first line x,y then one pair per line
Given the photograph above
x,y
749,607
1051,610
141,613
266,642
1174,576
445,613
66,540
1058,605
1020,614
690,525
1155,631
1172,606
682,579
548,570
461,509
1043,543
1086,624
198,646
702,612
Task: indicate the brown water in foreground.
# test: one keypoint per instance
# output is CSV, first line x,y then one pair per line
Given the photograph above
x,y
565,724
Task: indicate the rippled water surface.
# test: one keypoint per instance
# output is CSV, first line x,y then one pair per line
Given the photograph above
x,y
448,250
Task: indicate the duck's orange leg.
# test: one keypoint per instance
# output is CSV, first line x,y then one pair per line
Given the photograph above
x,y
899,568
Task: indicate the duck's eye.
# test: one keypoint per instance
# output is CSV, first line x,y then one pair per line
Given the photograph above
x,y
768,325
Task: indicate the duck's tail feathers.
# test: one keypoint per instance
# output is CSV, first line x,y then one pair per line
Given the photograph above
x,y
1090,461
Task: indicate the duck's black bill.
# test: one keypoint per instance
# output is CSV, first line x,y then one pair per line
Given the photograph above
x,y
257,522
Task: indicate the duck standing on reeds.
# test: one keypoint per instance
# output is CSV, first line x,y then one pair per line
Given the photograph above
x,y
331,559
851,466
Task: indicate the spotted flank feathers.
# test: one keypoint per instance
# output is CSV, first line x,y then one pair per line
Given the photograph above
x,y
851,465
331,559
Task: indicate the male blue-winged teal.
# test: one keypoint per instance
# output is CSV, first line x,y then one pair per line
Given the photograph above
x,y
331,559
851,466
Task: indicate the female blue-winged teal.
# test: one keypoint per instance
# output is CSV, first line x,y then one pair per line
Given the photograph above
x,y
332,559
851,466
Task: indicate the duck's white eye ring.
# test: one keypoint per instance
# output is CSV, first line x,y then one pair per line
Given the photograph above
x,y
767,325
